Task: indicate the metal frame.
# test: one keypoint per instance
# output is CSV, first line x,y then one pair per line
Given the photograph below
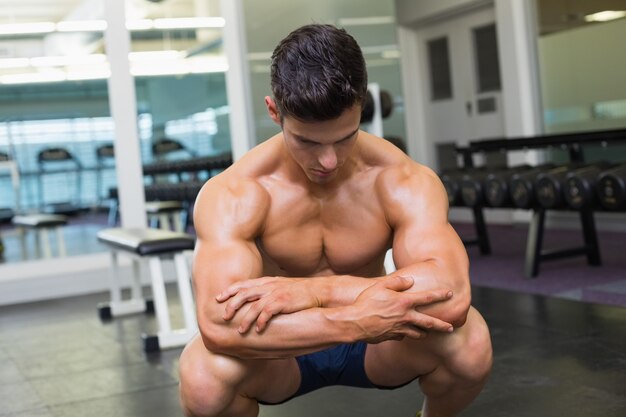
x,y
166,337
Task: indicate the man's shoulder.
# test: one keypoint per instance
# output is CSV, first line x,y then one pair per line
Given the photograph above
x,y
405,172
233,186
407,181
244,176
232,203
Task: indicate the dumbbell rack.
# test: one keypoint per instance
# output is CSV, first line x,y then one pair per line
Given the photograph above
x,y
574,144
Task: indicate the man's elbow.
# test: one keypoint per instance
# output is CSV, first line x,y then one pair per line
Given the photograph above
x,y
459,308
215,338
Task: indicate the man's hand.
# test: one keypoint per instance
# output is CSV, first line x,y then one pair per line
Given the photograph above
x,y
268,297
386,311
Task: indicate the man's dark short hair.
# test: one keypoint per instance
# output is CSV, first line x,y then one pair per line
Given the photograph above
x,y
318,72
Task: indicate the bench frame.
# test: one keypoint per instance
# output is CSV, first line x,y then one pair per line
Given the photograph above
x,y
166,337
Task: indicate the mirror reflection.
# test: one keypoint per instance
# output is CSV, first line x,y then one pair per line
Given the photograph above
x,y
57,167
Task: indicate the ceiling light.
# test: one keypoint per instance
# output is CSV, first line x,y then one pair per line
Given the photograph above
x,y
605,16
88,75
14,62
58,61
141,24
27,28
189,23
167,55
81,26
34,77
366,21
100,25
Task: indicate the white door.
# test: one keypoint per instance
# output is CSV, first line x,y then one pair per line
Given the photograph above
x,y
462,82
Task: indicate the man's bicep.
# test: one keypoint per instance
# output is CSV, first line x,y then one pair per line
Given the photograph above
x,y
423,235
435,243
219,265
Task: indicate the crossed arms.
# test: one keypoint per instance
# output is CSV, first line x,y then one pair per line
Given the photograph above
x,y
243,314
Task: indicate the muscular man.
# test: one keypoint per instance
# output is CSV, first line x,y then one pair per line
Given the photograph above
x,y
288,272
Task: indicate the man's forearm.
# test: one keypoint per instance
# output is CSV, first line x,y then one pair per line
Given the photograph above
x,y
288,335
432,274
341,290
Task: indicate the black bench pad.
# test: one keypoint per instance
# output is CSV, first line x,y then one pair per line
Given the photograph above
x,y
146,241
40,220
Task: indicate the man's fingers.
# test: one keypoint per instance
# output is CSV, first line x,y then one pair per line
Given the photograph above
x,y
398,283
431,296
250,317
239,300
429,323
227,293
241,285
264,317
415,333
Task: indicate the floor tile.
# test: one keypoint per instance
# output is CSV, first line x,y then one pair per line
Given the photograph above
x,y
152,402
100,383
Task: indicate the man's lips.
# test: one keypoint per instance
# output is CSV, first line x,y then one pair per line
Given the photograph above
x,y
323,173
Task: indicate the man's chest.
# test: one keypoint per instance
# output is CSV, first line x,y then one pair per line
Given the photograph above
x,y
305,237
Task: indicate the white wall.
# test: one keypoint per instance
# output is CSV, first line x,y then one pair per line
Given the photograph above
x,y
411,12
580,67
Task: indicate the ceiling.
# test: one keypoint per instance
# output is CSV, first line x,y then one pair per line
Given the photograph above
x,y
16,11
558,15
553,15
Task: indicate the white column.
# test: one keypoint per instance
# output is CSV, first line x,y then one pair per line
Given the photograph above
x,y
238,79
517,39
414,97
122,103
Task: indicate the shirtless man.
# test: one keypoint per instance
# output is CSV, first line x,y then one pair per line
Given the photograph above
x,y
288,269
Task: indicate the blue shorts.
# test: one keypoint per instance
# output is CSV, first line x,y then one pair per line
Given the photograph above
x,y
339,365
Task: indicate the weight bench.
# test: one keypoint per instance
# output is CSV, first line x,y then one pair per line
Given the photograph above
x,y
151,246
166,214
41,223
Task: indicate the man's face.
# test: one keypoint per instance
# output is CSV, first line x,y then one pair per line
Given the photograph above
x,y
322,148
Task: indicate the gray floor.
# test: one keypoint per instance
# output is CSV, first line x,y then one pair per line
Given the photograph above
x,y
552,358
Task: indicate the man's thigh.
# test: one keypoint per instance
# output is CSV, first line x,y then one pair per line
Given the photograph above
x,y
266,380
393,363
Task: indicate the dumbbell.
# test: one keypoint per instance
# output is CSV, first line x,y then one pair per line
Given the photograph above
x,y
549,186
472,194
496,186
386,106
611,188
451,182
522,186
579,188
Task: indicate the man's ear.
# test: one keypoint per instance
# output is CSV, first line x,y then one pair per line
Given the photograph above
x,y
272,110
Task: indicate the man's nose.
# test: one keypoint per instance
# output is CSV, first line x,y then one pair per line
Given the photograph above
x,y
328,158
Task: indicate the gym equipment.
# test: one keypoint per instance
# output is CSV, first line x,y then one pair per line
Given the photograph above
x,y
579,188
151,246
472,194
611,188
522,187
41,224
549,186
496,186
368,109
165,214
6,163
59,157
451,182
